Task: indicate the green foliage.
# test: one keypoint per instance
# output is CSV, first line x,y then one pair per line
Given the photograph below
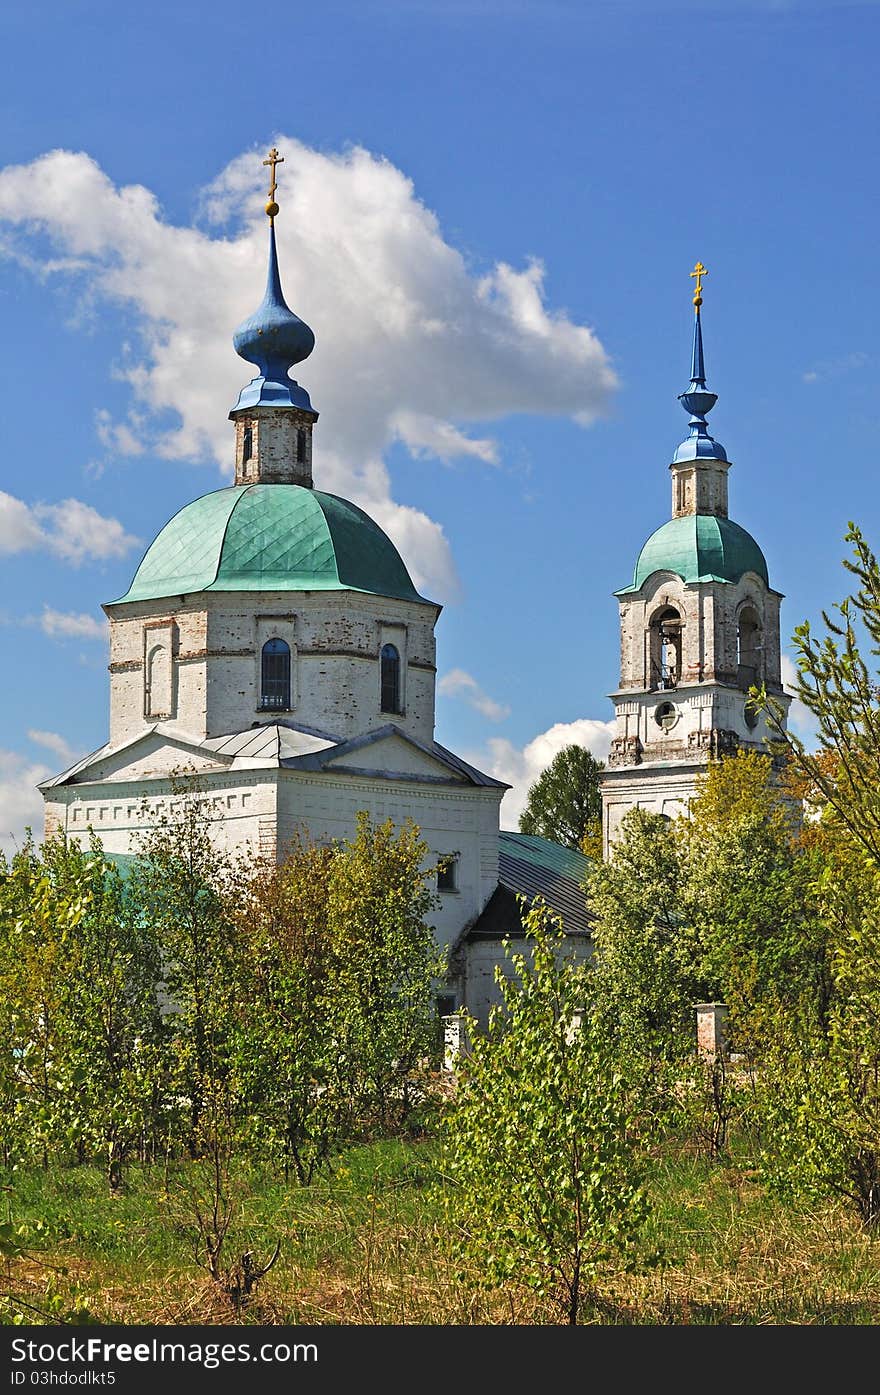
x,y
384,966
541,1151
185,890
647,953
748,885
820,1091
564,804
294,1112
839,686
820,1083
79,1016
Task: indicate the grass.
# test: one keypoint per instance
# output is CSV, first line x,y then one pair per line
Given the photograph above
x,y
365,1245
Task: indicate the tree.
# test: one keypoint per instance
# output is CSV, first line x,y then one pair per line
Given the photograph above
x,y
748,884
821,1087
541,1147
384,967
80,1019
186,889
297,1114
840,688
564,804
333,1017
647,954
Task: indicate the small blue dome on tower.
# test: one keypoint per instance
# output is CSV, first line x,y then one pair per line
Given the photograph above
x,y
698,400
273,338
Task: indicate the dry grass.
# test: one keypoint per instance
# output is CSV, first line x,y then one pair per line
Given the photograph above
x,y
366,1247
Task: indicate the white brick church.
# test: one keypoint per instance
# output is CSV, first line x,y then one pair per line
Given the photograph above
x,y
273,647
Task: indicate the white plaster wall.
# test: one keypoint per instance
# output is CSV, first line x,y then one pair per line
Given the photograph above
x,y
482,992
325,807
242,808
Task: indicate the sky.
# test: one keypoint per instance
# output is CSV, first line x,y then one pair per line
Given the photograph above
x,y
489,215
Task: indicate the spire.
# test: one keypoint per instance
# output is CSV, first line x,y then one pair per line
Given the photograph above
x,y
698,400
273,338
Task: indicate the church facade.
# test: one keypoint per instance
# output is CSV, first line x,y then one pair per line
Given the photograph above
x,y
699,626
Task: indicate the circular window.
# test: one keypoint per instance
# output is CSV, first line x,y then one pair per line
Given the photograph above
x,y
666,715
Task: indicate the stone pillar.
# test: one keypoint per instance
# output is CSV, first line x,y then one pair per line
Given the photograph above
x,y
455,1039
711,1030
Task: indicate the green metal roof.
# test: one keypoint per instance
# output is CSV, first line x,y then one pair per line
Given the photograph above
x,y
699,547
541,852
271,537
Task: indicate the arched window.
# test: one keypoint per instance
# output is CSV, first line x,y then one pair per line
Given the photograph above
x,y
390,679
275,676
748,647
247,448
158,682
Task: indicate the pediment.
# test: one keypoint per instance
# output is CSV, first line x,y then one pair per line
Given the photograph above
x,y
153,754
392,754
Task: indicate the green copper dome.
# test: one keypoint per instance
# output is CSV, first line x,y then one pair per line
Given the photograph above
x,y
699,547
271,537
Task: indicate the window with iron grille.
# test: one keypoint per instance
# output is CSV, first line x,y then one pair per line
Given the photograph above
x,y
247,449
390,678
275,676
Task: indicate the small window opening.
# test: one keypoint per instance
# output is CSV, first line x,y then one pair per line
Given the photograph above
x,y
301,445
390,678
445,1004
275,676
447,873
247,449
666,716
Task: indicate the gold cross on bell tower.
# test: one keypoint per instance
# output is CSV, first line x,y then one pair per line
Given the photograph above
x,y
699,272
273,159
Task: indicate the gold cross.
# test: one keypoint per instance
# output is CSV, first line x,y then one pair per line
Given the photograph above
x,y
273,160
699,271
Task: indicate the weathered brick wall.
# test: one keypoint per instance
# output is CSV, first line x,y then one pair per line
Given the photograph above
x,y
280,454
335,639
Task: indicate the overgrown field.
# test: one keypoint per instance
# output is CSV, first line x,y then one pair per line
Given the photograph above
x,y
367,1246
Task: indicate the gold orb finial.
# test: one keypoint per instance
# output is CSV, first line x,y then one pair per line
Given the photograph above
x,y
273,159
699,272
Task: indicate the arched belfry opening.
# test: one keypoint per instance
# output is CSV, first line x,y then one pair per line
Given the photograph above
x,y
665,649
749,647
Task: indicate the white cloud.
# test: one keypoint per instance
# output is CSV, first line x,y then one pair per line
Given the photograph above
x,y
458,683
410,344
53,742
800,718
427,436
71,530
21,804
68,624
521,767
835,367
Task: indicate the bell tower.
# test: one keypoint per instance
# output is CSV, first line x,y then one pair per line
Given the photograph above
x,y
699,624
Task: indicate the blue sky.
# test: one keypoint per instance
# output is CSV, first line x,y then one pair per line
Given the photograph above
x,y
489,216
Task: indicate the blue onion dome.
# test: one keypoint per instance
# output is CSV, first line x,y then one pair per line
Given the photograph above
x,y
698,401
273,338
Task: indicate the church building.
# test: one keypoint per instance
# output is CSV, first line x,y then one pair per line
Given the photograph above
x,y
273,651
699,625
